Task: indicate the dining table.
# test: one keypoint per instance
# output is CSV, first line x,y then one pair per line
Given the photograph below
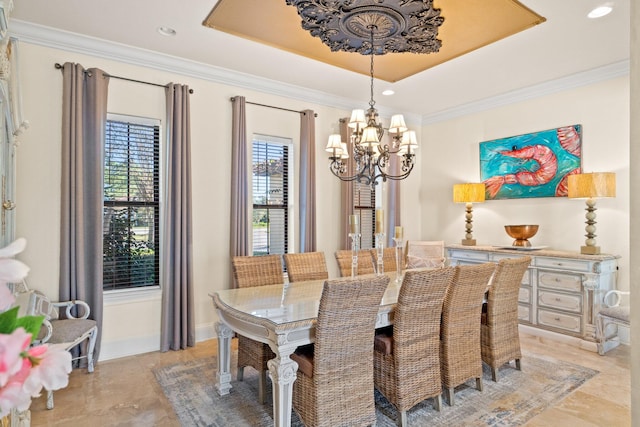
x,y
284,317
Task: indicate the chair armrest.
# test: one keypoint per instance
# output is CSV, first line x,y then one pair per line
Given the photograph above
x,y
618,297
47,325
68,305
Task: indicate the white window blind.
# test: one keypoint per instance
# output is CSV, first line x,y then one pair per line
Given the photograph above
x,y
270,179
131,205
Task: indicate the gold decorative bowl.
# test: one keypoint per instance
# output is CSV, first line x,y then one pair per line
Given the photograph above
x,y
521,233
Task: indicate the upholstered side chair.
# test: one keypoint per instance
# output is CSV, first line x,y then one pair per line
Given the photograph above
x,y
499,332
407,359
365,262
67,330
256,271
425,254
334,385
612,313
460,356
302,267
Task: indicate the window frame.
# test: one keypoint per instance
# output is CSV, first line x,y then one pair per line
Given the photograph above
x,y
288,207
129,294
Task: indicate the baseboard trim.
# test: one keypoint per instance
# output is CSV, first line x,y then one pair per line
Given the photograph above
x,y
140,345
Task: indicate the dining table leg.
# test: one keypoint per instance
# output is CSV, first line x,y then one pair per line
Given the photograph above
x,y
282,371
223,377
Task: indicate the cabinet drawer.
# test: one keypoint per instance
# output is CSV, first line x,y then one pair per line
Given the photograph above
x,y
560,301
564,264
469,255
497,257
562,281
567,322
524,295
524,313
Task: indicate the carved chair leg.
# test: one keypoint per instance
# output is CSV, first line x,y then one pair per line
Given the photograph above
x,y
91,348
479,384
494,374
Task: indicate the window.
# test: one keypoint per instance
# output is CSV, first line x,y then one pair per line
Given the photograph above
x,y
131,203
364,205
270,178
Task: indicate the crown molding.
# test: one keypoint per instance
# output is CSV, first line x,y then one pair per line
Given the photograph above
x,y
73,42
610,71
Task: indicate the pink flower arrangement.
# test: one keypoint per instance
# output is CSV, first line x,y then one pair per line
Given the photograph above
x,y
24,370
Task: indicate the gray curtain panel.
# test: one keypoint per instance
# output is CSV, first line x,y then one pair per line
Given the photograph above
x,y
239,238
346,189
307,181
178,320
84,115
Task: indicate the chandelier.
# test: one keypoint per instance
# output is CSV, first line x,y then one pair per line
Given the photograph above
x,y
372,157
372,27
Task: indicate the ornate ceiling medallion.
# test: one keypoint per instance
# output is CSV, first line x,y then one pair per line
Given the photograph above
x,y
398,25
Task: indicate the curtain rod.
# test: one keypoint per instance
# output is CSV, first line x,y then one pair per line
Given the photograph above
x,y
59,67
271,106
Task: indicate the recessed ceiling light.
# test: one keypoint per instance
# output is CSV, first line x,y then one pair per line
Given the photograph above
x,y
388,92
167,31
600,11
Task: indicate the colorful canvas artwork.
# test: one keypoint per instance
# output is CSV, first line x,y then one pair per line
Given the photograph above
x,y
531,165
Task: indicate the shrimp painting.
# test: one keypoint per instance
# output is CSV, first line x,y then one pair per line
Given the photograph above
x,y
531,165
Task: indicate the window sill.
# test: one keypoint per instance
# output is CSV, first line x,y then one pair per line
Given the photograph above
x,y
132,296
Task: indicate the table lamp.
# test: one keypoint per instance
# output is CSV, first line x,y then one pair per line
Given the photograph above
x,y
590,186
468,193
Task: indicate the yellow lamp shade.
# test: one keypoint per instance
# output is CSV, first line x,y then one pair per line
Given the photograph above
x,y
468,193
592,185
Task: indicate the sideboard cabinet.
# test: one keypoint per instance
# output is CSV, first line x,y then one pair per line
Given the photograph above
x,y
561,292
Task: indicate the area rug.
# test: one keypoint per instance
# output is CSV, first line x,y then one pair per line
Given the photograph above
x,y
515,398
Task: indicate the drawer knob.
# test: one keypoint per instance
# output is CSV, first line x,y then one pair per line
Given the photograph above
x,y
557,279
557,319
558,299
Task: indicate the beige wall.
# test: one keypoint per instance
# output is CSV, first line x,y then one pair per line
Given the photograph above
x,y
449,155
603,111
131,322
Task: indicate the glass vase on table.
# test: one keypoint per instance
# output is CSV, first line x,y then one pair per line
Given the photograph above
x,y
355,247
397,240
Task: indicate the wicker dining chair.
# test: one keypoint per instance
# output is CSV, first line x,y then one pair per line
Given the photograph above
x,y
256,271
407,361
388,259
500,341
365,262
334,385
425,253
306,266
460,356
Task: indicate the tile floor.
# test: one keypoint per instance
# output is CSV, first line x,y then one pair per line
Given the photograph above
x,y
124,392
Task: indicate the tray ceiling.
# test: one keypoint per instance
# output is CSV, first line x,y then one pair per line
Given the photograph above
x,y
468,25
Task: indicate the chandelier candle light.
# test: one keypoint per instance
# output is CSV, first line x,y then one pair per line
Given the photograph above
x,y
469,193
589,186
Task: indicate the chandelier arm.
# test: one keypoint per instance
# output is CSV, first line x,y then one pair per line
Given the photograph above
x,y
386,176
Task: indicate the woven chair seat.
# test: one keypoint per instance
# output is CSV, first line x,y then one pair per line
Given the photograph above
x,y
618,313
613,314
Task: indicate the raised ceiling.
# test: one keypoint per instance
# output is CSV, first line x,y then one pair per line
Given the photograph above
x,y
468,25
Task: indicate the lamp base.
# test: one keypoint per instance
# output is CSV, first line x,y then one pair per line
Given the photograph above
x,y
469,242
590,250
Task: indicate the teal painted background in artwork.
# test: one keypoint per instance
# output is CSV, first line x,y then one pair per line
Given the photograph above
x,y
531,165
